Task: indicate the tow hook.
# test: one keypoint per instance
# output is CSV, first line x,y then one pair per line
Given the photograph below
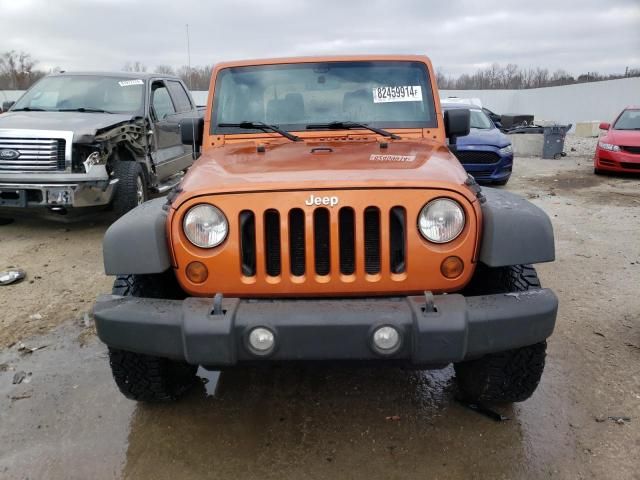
x,y
429,305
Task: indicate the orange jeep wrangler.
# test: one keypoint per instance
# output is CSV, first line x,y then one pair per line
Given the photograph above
x,y
327,219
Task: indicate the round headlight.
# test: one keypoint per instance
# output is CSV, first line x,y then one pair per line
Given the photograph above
x,y
441,220
205,226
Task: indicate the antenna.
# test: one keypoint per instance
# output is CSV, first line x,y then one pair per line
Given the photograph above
x,y
189,58
193,123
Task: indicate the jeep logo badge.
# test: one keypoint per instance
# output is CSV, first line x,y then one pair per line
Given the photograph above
x,y
9,154
313,200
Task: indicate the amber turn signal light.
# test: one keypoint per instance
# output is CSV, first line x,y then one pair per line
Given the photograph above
x,y
197,272
452,267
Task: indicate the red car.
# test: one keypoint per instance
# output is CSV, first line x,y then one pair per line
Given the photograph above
x,y
618,150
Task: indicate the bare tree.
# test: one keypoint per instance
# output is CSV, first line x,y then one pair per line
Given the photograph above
x,y
165,70
17,70
137,67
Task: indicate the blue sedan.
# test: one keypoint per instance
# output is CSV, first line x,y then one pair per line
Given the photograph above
x,y
485,153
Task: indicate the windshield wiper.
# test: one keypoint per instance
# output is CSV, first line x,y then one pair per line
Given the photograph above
x,y
29,109
349,125
261,126
84,109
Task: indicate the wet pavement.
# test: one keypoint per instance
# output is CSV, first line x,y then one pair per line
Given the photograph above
x,y
69,421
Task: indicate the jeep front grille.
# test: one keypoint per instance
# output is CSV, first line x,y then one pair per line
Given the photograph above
x,y
334,234
35,154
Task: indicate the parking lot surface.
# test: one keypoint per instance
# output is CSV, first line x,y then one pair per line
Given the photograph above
x,y
66,419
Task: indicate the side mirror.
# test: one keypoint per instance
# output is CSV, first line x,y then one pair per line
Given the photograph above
x,y
605,126
191,131
7,105
457,123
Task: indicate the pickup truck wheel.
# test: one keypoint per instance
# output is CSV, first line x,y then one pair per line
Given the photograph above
x,y
148,378
131,190
513,375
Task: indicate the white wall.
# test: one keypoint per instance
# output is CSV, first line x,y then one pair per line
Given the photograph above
x,y
600,101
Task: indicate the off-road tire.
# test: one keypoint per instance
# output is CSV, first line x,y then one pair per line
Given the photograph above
x,y
150,379
147,378
512,375
131,189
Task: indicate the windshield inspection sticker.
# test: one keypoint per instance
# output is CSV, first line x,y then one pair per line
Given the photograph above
x,y
405,93
128,83
392,158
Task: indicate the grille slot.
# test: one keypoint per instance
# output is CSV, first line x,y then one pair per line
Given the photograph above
x,y
469,157
35,154
631,166
372,240
272,242
321,240
297,242
248,243
635,150
347,235
397,239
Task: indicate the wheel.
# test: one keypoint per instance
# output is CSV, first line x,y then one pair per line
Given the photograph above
x,y
142,377
150,379
597,171
5,221
512,375
131,189
501,182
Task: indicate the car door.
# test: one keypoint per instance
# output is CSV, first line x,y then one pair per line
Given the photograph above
x,y
170,156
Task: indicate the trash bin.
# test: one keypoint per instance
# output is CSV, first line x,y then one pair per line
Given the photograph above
x,y
554,136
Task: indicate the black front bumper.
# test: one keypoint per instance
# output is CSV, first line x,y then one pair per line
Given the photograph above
x,y
316,329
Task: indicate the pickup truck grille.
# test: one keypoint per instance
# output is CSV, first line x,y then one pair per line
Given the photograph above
x,y
334,242
35,154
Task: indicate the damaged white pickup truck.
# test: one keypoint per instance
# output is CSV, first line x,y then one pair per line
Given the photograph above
x,y
77,142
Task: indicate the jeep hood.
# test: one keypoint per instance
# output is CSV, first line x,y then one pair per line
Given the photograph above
x,y
317,165
84,126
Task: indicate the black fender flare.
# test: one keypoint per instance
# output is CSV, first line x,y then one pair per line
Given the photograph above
x,y
514,231
137,242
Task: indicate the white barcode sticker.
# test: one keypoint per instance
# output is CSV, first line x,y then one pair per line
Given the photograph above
x,y
392,158
401,93
128,83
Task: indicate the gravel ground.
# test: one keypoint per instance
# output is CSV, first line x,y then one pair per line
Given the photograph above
x,y
66,419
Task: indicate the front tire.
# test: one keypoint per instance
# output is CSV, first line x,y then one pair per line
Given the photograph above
x,y
5,221
146,378
131,189
512,375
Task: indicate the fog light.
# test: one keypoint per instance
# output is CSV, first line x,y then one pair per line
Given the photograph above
x,y
452,267
261,340
386,339
197,272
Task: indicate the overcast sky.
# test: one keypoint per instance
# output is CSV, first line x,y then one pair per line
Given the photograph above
x,y
458,35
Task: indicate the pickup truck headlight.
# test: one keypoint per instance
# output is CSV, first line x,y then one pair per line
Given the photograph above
x,y
609,146
506,150
441,220
205,226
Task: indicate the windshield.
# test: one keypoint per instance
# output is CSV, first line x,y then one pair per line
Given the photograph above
x,y
480,120
84,92
629,120
380,94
